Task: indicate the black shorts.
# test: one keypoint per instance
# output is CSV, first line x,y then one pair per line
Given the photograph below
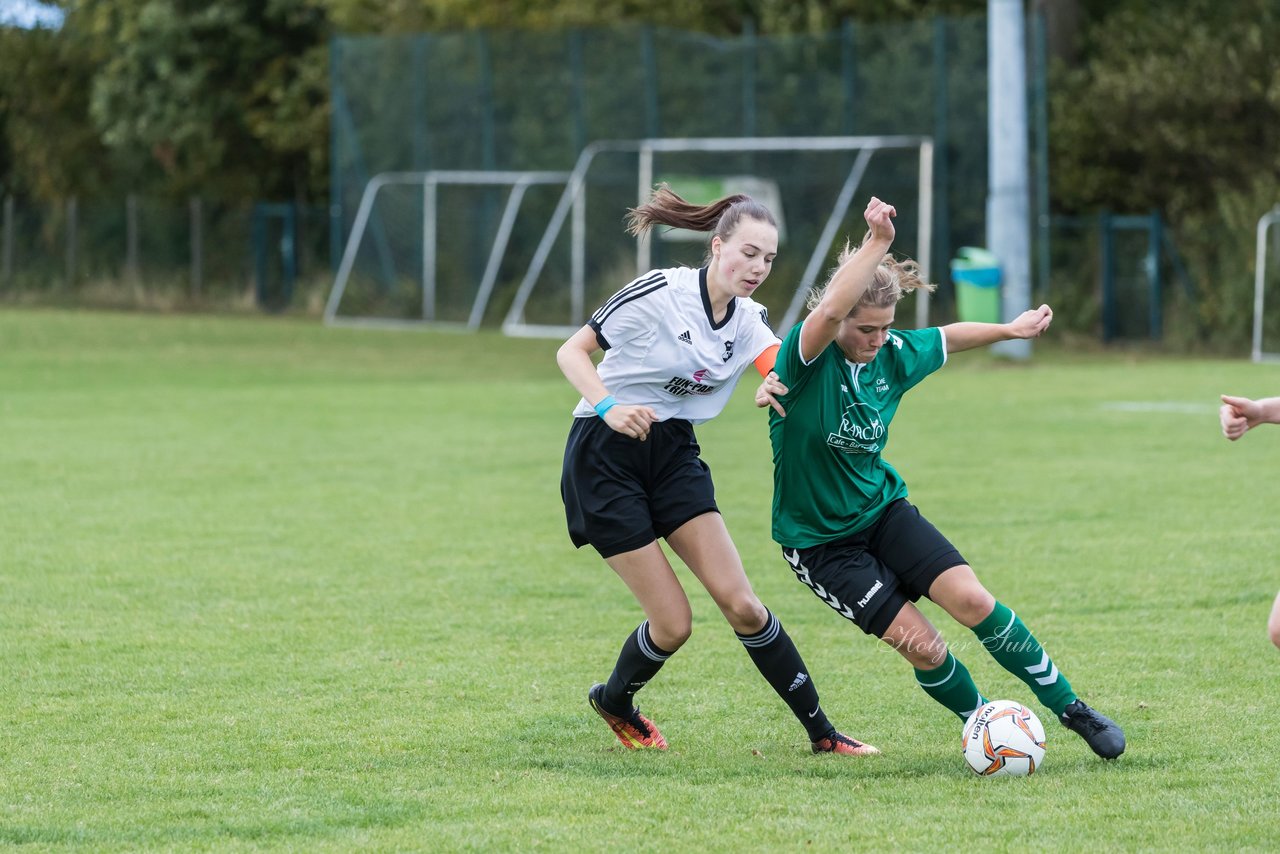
x,y
620,493
869,576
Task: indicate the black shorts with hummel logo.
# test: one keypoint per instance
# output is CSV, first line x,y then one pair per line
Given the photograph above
x,y
621,494
869,576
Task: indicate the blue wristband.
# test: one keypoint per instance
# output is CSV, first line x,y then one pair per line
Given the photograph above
x,y
606,403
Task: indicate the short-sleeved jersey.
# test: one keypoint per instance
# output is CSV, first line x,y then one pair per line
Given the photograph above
x,y
829,478
664,350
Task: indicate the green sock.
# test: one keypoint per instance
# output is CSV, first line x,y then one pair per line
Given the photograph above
x,y
1017,650
952,686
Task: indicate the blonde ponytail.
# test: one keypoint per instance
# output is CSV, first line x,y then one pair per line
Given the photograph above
x,y
893,279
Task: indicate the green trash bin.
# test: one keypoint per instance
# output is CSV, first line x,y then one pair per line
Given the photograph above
x,y
976,274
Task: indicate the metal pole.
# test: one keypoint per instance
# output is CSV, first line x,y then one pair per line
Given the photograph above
x,y
430,228
6,262
1043,222
196,208
578,260
644,242
1008,205
1108,277
1154,281
1259,278
72,217
924,253
941,131
131,236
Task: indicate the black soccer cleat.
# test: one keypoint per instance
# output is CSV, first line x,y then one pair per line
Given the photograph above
x,y
1102,734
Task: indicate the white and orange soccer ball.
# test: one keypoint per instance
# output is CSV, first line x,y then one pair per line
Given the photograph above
x,y
1003,738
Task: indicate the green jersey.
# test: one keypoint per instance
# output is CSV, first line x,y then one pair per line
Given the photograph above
x,y
829,478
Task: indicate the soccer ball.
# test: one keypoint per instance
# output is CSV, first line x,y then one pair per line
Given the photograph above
x,y
1003,738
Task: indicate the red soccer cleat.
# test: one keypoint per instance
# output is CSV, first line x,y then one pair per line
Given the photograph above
x,y
840,743
634,731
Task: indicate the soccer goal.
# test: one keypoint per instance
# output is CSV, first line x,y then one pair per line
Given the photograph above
x,y
844,171
402,283
1260,351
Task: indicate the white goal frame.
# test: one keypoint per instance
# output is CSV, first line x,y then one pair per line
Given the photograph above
x,y
1259,284
430,181
571,199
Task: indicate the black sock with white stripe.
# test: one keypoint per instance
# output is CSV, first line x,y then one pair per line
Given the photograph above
x,y
639,660
779,662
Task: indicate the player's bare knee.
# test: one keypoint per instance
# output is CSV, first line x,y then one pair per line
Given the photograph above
x,y
973,605
671,633
745,613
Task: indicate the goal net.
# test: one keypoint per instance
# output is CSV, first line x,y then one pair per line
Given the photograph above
x,y
428,247
538,251
816,186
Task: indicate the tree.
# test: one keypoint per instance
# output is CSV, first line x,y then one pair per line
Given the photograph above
x,y
223,97
1169,111
48,147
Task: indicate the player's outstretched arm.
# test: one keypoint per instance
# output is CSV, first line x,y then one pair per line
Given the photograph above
x,y
967,335
1239,415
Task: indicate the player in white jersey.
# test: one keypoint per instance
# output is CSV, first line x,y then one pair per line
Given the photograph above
x,y
676,342
669,355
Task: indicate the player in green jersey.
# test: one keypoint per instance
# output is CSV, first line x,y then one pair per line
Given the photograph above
x,y
840,511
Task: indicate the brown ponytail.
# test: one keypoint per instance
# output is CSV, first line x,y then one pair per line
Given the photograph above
x,y
721,216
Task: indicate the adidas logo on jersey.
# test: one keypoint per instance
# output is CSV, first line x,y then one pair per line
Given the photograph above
x,y
685,337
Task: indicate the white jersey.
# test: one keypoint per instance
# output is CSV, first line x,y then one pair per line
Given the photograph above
x,y
663,350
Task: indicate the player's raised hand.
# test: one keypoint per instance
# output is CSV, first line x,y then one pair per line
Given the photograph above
x,y
879,216
633,421
1031,322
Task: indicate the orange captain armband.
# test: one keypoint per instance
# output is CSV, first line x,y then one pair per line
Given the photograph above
x,y
766,360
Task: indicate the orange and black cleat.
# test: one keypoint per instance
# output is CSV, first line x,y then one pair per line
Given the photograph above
x,y
635,731
839,743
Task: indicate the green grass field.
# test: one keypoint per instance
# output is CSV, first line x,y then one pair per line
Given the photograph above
x,y
270,586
